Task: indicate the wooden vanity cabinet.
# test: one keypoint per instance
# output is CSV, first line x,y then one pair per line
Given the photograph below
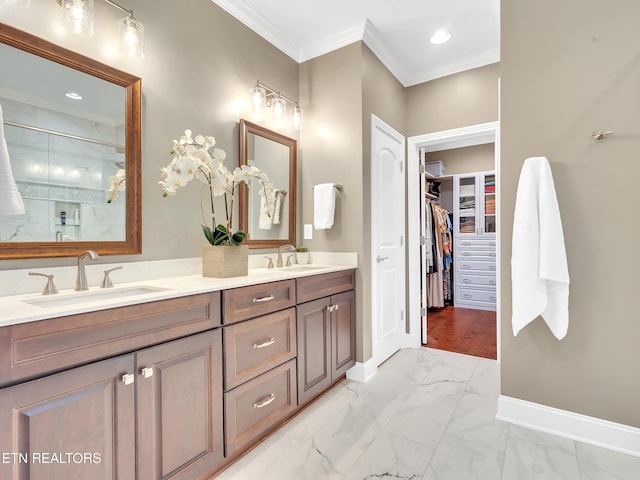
x,y
326,332
152,413
179,408
260,346
76,424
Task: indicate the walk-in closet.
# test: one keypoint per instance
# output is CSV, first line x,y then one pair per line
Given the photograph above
x,y
459,250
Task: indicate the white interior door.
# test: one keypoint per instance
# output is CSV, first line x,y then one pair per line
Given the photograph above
x,y
387,236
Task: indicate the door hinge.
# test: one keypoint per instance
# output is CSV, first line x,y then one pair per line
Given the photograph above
x,y
421,169
423,240
401,314
423,312
402,241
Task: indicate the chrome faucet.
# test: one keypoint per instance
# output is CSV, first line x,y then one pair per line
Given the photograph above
x,y
281,248
81,278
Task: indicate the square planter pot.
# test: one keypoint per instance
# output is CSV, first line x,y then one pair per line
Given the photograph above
x,y
225,261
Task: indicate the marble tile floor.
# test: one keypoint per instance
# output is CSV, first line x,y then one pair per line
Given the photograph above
x,y
426,415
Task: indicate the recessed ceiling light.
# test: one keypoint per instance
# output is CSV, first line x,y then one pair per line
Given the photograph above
x,y
73,95
441,36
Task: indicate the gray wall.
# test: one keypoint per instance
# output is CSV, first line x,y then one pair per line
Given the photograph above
x,y
567,69
200,64
466,98
336,148
476,158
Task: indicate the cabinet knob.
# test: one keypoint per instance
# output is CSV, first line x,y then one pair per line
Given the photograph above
x,y
266,343
380,258
265,401
263,299
147,372
128,378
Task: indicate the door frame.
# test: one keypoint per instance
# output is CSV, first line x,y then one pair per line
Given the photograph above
x,y
479,134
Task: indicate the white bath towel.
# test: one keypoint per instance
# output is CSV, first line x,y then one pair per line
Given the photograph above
x,y
12,203
324,205
539,272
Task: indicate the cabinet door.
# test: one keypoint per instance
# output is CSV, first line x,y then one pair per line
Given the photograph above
x,y
179,410
488,203
467,189
78,424
314,347
343,333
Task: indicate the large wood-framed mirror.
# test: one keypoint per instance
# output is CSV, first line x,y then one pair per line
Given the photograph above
x,y
276,155
63,153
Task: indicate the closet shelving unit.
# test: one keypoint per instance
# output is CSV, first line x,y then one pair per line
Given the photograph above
x,y
475,240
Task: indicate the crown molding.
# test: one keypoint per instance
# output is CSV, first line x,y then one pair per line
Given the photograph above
x,y
339,40
480,59
256,22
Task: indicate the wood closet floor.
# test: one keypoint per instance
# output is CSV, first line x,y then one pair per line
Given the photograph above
x,y
462,330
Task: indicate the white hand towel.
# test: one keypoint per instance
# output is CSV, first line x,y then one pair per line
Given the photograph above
x,y
539,272
265,219
12,203
324,205
277,207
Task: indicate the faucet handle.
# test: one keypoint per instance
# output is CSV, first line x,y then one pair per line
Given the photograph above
x,y
288,264
106,281
50,288
270,264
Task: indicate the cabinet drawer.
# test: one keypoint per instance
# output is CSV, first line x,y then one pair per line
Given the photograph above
x,y
479,254
470,295
255,346
32,349
318,286
253,408
478,280
247,302
477,266
484,243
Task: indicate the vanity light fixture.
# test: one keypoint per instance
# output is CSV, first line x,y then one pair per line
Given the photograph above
x,y
440,37
79,13
263,97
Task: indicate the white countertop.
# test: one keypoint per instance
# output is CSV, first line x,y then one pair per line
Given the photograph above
x,y
14,309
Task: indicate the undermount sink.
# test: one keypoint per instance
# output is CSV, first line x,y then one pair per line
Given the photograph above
x,y
304,267
78,298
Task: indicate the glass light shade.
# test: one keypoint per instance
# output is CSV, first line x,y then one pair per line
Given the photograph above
x,y
131,37
279,108
79,14
296,118
18,3
258,99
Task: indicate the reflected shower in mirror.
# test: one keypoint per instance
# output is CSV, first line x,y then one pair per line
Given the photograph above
x,y
71,124
268,224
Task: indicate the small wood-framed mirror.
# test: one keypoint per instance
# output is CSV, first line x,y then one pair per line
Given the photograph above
x,y
276,155
62,154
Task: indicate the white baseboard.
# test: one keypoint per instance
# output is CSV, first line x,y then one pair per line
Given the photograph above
x,y
591,430
362,372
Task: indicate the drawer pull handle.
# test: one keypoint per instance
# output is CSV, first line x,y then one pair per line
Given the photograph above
x,y
492,254
492,267
266,343
493,244
466,253
467,295
492,298
128,378
263,299
265,401
466,265
492,282
147,372
466,243
466,280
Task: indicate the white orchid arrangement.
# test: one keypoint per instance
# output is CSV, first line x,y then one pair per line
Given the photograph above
x,y
197,157
117,184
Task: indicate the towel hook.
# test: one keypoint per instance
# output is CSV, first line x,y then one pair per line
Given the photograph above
x,y
601,136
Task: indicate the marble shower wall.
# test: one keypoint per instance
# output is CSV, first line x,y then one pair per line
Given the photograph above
x,y
56,174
